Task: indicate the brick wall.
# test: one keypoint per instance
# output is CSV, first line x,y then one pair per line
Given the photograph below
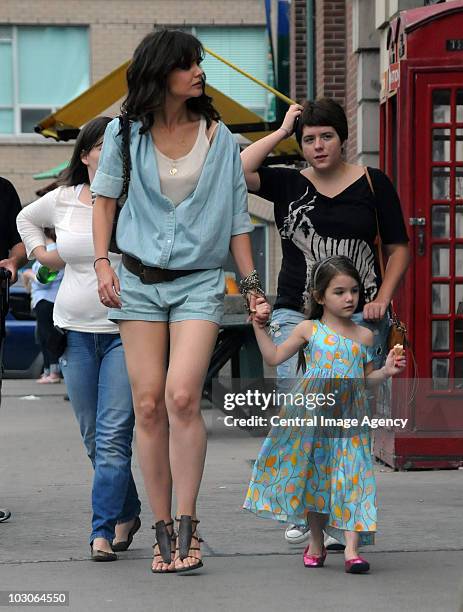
x,y
351,87
116,27
330,59
298,59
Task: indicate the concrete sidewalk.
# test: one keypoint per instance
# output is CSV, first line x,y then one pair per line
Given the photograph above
x,y
417,563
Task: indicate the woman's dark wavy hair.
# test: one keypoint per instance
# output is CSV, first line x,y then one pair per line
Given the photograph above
x,y
321,112
154,59
323,273
89,136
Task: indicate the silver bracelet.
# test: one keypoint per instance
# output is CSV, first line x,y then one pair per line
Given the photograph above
x,y
288,133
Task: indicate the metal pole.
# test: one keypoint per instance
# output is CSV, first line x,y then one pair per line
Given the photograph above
x,y
249,76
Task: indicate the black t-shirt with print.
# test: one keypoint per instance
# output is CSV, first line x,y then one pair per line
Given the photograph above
x,y
313,226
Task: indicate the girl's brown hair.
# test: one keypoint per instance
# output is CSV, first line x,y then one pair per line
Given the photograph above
x,y
322,274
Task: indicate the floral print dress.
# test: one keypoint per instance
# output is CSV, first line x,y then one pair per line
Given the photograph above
x,y
315,468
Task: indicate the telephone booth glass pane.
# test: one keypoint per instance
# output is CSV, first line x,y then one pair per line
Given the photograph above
x,y
441,106
441,144
459,373
459,222
440,373
459,145
459,184
441,222
459,260
459,336
440,299
441,183
459,105
459,299
440,335
440,260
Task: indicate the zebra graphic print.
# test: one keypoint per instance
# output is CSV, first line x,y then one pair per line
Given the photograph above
x,y
298,228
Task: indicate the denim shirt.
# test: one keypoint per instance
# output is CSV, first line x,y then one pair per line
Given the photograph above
x,y
196,233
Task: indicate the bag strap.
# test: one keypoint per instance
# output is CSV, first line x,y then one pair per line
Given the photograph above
x,y
124,123
378,235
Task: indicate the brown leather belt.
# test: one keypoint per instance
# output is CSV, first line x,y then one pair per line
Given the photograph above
x,y
150,275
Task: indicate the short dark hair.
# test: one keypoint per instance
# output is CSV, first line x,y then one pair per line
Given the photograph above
x,y
324,111
153,60
77,172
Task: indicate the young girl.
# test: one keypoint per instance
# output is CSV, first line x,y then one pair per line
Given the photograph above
x,y
312,473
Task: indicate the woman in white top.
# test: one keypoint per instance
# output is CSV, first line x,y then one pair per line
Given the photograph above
x,y
93,363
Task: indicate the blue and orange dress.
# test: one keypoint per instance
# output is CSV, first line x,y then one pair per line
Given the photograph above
x,y
314,467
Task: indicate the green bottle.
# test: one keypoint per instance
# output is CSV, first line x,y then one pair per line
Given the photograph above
x,y
45,275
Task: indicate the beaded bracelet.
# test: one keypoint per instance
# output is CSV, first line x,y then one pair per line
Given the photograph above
x,y
251,284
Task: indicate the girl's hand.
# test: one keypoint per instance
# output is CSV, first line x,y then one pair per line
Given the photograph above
x,y
294,111
108,285
262,312
394,365
375,311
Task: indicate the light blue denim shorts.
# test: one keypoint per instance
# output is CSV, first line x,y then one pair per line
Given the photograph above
x,y
199,295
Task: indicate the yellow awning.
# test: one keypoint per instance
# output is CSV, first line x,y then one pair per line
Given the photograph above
x,y
64,124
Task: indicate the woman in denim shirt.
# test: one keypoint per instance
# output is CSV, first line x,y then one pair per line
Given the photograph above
x,y
186,208
93,363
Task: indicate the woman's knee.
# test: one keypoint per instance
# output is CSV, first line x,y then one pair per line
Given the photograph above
x,y
182,403
150,411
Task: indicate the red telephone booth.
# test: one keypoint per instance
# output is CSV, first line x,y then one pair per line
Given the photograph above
x,y
422,152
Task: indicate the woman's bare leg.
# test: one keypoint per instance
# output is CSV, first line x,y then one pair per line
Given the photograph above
x,y
145,345
191,346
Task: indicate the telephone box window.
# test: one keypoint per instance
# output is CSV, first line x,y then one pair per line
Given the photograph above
x,y
458,340
459,184
459,105
441,105
441,183
440,336
440,373
459,222
440,299
459,260
441,144
440,260
440,222
459,299
459,144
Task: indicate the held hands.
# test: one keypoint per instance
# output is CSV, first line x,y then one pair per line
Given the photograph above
x,y
293,113
260,314
394,364
375,311
109,288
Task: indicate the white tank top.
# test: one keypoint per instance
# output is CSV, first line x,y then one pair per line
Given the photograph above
x,y
179,177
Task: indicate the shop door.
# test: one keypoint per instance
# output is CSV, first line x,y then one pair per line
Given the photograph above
x,y
438,250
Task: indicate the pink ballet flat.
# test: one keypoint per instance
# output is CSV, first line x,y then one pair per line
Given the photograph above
x,y
357,565
314,560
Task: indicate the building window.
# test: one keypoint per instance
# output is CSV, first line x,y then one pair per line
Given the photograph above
x,y
42,68
248,48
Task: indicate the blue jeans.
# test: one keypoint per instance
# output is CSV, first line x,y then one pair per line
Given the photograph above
x,y
284,320
96,378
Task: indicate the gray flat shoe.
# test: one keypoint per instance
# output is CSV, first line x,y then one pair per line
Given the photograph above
x,y
122,545
102,555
